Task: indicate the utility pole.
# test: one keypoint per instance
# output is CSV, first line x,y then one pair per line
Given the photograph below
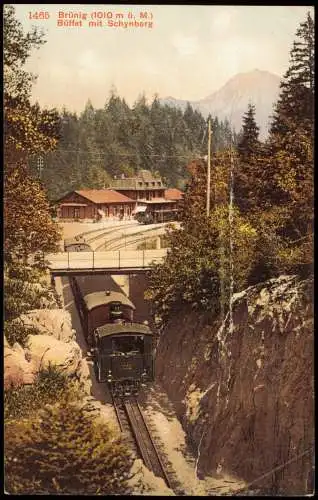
x,y
40,163
208,190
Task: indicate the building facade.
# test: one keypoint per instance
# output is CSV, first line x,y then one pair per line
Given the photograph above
x,y
143,187
94,204
148,191
125,198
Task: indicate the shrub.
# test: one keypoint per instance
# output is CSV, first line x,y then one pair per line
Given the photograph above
x,y
65,451
50,386
201,264
16,331
26,288
21,296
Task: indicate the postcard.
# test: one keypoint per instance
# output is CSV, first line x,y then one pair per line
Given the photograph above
x,y
158,249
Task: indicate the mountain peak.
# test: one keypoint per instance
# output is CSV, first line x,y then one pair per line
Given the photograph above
x,y
257,86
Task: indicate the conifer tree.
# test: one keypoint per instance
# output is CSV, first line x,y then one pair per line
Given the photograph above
x,y
285,173
295,106
64,450
249,143
247,173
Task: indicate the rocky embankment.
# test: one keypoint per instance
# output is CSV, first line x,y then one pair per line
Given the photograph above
x,y
244,388
55,345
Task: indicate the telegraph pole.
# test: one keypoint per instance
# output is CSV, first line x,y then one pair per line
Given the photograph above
x,y
208,190
40,166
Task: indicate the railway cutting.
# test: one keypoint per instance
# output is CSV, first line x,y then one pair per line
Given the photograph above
x,y
136,432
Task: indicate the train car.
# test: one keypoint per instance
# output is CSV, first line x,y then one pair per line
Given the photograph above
x,y
104,307
122,350
156,216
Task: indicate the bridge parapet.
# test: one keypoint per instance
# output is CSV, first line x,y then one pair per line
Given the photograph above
x,y
118,259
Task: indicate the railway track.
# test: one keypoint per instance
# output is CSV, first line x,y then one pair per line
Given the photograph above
x,y
104,232
121,240
134,427
119,243
100,230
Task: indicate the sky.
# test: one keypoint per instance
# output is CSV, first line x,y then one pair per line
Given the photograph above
x,y
188,52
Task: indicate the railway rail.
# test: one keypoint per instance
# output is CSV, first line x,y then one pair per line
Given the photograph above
x,y
102,229
132,423
95,234
123,239
105,231
118,243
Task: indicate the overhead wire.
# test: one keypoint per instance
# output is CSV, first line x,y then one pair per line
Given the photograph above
x,y
102,155
275,469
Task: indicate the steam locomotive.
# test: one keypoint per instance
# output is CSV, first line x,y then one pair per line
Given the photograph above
x,y
122,350
150,216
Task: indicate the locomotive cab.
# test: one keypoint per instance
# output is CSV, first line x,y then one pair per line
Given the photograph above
x,y
124,356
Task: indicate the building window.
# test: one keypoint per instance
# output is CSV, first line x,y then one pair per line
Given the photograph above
x,y
153,183
147,184
76,213
140,183
159,183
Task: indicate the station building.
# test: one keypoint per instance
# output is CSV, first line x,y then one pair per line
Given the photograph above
x,y
125,197
94,204
148,190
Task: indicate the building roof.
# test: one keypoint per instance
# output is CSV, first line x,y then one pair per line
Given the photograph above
x,y
104,196
123,329
143,180
173,194
97,299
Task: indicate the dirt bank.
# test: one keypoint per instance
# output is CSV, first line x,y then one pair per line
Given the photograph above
x,y
244,391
